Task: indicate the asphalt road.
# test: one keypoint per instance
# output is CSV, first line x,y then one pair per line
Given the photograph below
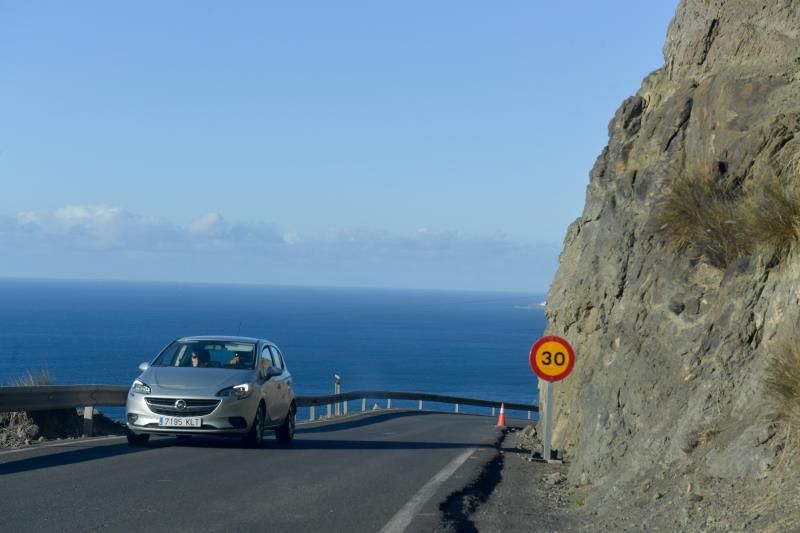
x,y
380,471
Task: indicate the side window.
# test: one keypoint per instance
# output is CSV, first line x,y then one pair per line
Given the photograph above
x,y
266,361
277,360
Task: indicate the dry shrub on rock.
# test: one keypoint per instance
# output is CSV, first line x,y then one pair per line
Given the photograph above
x,y
705,214
782,404
702,214
771,216
18,428
782,381
32,378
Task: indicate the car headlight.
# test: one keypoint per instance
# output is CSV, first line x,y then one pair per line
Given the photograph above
x,y
240,392
139,387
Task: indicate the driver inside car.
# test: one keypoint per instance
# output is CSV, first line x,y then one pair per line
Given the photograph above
x,y
241,360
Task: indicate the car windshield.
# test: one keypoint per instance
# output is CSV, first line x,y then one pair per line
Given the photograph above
x,y
208,354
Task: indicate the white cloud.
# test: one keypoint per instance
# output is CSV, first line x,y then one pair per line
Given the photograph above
x,y
88,214
211,224
102,227
122,244
96,227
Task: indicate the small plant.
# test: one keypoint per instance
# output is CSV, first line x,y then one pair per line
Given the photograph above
x,y
707,434
37,377
782,382
774,501
579,498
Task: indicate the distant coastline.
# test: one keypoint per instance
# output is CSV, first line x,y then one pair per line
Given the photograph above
x,y
540,305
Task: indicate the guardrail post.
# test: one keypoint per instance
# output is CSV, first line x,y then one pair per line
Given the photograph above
x,y
493,410
456,408
337,389
88,418
420,405
388,403
329,410
345,407
529,415
363,405
312,412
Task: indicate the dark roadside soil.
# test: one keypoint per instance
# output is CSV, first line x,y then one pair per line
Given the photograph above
x,y
513,493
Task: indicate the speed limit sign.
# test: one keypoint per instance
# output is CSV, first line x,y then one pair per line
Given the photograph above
x,y
552,358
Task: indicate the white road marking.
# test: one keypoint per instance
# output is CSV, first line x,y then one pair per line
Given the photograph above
x,y
73,442
404,516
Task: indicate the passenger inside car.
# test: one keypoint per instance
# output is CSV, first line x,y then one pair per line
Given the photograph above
x,y
200,358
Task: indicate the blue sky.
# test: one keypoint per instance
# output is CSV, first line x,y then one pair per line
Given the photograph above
x,y
400,144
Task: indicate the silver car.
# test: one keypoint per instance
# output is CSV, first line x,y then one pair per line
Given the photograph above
x,y
236,386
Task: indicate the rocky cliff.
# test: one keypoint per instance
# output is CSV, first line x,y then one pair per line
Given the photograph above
x,y
666,419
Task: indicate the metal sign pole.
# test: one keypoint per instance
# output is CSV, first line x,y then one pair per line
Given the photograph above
x,y
548,419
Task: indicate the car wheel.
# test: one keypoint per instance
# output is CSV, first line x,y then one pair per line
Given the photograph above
x,y
255,436
137,439
285,433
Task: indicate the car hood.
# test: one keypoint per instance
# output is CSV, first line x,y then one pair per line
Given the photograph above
x,y
206,381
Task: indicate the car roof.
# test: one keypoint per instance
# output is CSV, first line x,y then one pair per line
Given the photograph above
x,y
223,338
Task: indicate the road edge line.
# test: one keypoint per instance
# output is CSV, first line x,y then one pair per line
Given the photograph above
x,y
63,442
401,520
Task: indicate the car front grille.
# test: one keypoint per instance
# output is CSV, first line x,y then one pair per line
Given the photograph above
x,y
166,406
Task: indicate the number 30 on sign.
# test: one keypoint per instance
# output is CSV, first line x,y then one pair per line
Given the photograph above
x,y
552,358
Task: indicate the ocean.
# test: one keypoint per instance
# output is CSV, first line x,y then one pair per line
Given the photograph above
x,y
471,344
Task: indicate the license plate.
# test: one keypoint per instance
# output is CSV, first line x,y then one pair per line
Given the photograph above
x,y
180,421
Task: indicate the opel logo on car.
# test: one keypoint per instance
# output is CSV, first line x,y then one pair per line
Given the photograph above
x,y
180,405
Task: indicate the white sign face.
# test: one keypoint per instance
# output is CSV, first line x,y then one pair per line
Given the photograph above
x,y
180,422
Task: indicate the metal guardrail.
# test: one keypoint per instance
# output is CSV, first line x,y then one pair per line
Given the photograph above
x,y
50,397
421,396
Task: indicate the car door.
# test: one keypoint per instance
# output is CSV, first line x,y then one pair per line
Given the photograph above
x,y
284,381
269,388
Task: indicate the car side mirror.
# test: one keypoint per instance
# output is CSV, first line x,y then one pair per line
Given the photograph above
x,y
144,366
273,371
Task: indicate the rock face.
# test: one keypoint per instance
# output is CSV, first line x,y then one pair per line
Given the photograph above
x,y
663,414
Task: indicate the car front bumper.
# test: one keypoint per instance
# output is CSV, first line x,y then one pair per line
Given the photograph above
x,y
231,416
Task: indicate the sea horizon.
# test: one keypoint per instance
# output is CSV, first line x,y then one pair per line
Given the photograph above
x,y
541,293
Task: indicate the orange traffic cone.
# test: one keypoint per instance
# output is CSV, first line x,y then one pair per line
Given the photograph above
x,y
501,420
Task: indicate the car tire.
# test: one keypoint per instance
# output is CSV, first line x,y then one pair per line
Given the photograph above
x,y
255,437
285,432
137,439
